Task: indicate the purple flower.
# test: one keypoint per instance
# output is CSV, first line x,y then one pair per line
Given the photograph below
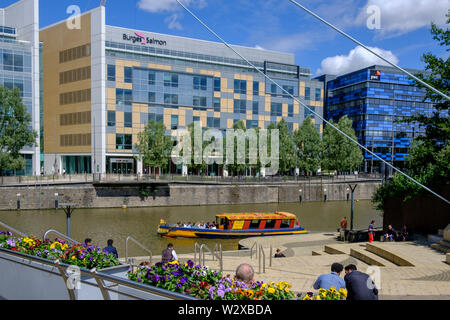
x,y
179,286
139,279
220,293
190,263
11,242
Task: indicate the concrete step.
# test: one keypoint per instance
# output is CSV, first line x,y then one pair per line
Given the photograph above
x,y
440,247
444,243
335,249
433,238
370,258
389,253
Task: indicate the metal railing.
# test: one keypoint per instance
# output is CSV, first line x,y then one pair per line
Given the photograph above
x,y
255,244
99,277
262,255
13,230
66,237
214,254
140,245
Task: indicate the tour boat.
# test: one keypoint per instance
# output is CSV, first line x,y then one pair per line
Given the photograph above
x,y
238,225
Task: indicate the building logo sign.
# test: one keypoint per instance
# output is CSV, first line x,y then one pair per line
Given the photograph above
x,y
139,37
375,75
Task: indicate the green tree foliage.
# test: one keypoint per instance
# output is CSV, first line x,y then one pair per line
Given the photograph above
x,y
15,132
287,147
153,146
307,141
429,156
338,152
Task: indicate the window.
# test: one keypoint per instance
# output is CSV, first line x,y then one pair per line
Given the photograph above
x,y
240,86
151,77
309,113
255,107
252,124
285,223
290,110
155,117
216,104
217,84
318,94
199,101
170,98
213,122
254,224
171,80
111,72
307,93
124,97
273,89
240,106
124,142
255,88
174,122
111,118
128,74
8,61
270,224
128,119
18,62
152,97
276,109
200,83
289,89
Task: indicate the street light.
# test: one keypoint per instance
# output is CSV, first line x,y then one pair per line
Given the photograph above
x,y
68,209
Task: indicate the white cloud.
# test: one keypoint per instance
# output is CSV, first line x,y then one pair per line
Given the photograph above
x,y
356,59
173,23
402,16
168,5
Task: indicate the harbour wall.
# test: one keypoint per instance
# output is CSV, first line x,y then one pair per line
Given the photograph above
x,y
136,195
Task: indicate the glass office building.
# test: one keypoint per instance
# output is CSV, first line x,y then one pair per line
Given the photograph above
x,y
19,68
109,82
375,98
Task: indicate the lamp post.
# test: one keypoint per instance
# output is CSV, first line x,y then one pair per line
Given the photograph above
x,y
325,195
352,188
300,197
68,209
18,201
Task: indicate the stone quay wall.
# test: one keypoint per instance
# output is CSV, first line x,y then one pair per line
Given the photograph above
x,y
118,195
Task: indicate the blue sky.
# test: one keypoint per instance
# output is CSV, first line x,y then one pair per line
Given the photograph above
x,y
403,34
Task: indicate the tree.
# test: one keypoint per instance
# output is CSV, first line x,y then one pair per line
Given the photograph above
x,y
429,155
15,130
154,146
338,152
307,140
287,146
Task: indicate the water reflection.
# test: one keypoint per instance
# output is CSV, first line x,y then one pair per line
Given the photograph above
x,y
141,223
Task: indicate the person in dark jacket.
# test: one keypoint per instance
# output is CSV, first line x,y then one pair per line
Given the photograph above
x,y
111,249
167,255
359,285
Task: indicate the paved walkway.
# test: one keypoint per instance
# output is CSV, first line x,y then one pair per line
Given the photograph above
x,y
429,278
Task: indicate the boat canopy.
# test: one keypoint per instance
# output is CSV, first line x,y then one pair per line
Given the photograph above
x,y
257,216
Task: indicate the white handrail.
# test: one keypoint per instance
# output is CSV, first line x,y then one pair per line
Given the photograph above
x,y
139,244
9,228
61,235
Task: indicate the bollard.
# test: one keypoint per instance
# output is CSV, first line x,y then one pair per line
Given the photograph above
x,y
18,204
325,198
348,196
56,204
300,198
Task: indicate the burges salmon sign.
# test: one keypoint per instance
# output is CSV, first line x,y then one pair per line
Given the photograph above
x,y
139,37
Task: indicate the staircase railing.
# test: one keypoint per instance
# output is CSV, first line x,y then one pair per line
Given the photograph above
x,y
140,245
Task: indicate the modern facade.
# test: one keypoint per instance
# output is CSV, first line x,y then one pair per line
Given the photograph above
x,y
375,98
19,67
102,85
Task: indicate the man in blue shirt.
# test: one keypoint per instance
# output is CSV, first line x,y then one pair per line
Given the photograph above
x,y
326,281
111,249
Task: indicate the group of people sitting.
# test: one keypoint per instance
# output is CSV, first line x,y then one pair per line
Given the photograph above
x,y
396,235
198,225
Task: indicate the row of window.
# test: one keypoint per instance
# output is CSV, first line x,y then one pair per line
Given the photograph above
x,y
75,75
75,140
75,53
75,97
70,119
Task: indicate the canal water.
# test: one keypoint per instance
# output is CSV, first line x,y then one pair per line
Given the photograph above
x,y
141,223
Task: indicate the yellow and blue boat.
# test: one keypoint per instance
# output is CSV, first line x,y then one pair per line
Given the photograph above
x,y
238,225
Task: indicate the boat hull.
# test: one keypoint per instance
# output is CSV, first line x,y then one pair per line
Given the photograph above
x,y
177,232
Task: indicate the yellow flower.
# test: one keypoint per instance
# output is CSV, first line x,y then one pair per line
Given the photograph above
x,y
307,297
287,290
333,289
73,257
321,290
249,293
318,297
271,290
343,292
174,262
263,285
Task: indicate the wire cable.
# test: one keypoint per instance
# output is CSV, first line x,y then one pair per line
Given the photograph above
x,y
370,50
304,105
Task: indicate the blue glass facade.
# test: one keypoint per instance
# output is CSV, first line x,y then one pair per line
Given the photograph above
x,y
374,98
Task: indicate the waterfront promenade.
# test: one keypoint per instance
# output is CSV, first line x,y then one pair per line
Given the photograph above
x,y
427,278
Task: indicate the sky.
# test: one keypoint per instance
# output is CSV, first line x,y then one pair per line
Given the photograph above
x,y
399,30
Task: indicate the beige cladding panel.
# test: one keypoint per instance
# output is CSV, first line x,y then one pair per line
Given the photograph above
x,y
57,39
